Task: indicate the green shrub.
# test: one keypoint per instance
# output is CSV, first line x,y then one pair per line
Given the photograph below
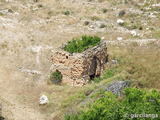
x,y
81,44
1,14
86,23
40,6
102,26
104,10
95,18
109,107
66,12
10,10
121,13
1,117
56,77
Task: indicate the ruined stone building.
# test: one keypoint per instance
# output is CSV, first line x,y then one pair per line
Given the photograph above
x,y
79,68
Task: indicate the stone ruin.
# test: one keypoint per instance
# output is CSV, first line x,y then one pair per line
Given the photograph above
x,y
79,68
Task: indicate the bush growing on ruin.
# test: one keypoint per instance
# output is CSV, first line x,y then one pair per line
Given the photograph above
x,y
56,77
81,44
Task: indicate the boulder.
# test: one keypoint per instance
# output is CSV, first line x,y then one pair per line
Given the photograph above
x,y
43,100
114,61
117,87
133,33
120,21
119,38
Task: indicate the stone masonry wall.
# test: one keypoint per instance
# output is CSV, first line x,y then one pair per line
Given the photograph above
x,y
78,68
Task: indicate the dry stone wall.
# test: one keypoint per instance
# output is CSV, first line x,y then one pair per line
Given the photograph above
x,y
78,68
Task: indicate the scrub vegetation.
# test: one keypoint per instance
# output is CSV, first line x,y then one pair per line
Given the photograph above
x,y
81,44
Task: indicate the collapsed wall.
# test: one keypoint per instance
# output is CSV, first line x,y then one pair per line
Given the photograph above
x,y
79,68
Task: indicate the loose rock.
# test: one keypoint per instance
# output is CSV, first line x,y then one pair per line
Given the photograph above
x,y
120,21
43,100
117,87
133,33
114,61
119,38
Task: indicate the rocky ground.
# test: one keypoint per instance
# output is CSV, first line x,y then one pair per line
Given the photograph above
x,y
31,30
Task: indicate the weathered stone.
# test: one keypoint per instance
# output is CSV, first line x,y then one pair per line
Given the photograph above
x,y
120,21
43,100
78,68
117,87
119,38
133,33
114,61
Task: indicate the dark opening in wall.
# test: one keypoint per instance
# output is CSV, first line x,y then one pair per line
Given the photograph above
x,y
66,57
106,58
95,68
92,77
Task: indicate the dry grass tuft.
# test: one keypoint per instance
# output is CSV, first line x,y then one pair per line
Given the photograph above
x,y
141,63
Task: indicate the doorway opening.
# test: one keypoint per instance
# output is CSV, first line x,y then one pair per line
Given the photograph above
x,y
95,68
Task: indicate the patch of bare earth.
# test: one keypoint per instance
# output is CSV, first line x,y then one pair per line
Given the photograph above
x,y
19,97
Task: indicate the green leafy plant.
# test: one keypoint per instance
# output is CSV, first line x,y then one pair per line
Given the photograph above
x,y
110,107
95,18
86,23
121,13
81,44
1,14
102,26
56,77
104,10
66,12
1,117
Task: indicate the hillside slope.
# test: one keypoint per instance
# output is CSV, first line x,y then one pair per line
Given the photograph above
x,y
32,29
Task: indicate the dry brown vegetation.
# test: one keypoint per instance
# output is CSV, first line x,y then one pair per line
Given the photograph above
x,y
139,63
32,29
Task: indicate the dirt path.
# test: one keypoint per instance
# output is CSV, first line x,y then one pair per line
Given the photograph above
x,y
14,99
